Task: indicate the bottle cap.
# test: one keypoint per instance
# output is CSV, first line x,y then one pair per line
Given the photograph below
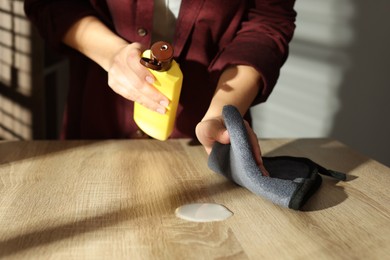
x,y
161,55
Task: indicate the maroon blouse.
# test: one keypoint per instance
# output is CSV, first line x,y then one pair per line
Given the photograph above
x,y
210,35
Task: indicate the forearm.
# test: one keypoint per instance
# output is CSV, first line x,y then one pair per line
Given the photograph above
x,y
238,86
95,40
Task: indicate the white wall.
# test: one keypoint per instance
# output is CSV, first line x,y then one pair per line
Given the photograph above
x,y
336,82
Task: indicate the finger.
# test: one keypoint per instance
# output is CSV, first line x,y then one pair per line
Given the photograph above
x,y
264,170
138,46
211,130
133,62
217,131
130,86
222,136
254,143
140,98
150,91
151,104
143,80
256,148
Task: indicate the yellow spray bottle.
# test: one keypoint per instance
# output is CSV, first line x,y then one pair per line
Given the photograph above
x,y
169,78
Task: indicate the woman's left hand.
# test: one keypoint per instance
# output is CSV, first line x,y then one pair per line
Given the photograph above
x,y
212,130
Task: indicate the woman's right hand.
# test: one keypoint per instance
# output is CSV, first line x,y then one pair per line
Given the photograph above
x,y
126,75
130,79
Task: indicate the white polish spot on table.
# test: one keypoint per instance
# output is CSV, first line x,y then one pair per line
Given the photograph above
x,y
203,212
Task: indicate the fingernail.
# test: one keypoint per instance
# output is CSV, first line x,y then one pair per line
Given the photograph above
x,y
149,79
164,103
161,111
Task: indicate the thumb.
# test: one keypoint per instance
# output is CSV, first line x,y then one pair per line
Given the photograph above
x,y
222,136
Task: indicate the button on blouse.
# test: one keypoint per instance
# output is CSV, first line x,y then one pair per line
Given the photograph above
x,y
142,32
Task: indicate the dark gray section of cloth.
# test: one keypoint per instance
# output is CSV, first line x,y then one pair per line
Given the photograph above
x,y
236,162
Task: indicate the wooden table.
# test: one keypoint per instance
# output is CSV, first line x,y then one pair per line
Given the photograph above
x,y
116,200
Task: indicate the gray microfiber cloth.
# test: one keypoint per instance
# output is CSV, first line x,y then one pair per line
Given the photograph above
x,y
292,180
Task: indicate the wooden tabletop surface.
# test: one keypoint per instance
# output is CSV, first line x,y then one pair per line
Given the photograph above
x,y
117,200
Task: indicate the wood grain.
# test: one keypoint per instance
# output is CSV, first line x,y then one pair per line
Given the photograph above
x,y
116,200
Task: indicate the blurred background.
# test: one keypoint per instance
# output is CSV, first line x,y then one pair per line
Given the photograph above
x,y
336,81
33,80
334,84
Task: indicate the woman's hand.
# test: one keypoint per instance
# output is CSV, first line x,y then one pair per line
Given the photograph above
x,y
130,79
126,76
213,130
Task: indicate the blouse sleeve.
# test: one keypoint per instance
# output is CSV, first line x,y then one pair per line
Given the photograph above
x,y
53,18
261,42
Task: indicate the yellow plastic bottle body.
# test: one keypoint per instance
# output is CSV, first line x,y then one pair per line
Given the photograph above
x,y
169,83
